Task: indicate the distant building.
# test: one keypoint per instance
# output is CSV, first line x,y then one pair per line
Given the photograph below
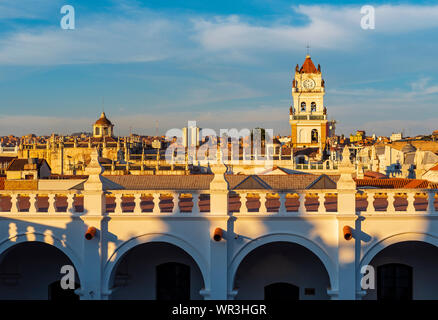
x,y
190,135
396,136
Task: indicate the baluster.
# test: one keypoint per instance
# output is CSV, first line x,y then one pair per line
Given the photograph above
x,y
195,200
14,202
156,201
118,201
431,201
411,199
321,200
70,203
282,208
263,200
175,200
33,203
51,199
302,199
137,201
243,200
370,202
391,200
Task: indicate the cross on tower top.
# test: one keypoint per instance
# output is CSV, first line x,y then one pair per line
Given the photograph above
x,y
308,49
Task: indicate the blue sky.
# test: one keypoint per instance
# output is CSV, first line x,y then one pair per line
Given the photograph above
x,y
225,64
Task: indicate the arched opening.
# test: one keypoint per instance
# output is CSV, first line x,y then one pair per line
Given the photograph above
x,y
156,270
282,291
173,281
314,136
31,270
303,106
281,270
405,270
313,106
97,131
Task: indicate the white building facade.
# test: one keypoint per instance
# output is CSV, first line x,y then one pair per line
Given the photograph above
x,y
294,244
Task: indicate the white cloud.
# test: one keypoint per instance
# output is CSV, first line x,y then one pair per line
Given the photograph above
x,y
104,39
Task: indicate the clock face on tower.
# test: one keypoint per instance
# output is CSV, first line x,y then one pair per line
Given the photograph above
x,y
308,84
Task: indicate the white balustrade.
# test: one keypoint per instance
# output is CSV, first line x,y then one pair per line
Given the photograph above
x,y
195,200
14,203
411,198
431,202
282,208
51,199
321,200
118,202
33,203
262,198
156,201
175,200
391,199
137,202
302,206
370,202
70,203
243,201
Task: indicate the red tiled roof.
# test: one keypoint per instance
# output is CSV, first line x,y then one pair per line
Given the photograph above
x,y
202,182
374,175
392,183
308,66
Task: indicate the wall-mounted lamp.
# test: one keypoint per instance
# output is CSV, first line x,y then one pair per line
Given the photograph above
x,y
348,233
91,232
218,234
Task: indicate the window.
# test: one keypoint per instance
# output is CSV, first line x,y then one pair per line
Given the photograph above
x,y
105,131
97,130
394,282
313,107
282,291
303,106
314,135
173,281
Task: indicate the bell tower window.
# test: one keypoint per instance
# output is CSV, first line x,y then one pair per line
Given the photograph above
x,y
313,107
303,106
314,136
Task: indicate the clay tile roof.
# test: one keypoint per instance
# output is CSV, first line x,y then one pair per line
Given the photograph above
x,y
416,183
308,66
18,164
103,120
392,183
374,175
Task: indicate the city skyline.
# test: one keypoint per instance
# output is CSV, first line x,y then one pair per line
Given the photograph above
x,y
227,66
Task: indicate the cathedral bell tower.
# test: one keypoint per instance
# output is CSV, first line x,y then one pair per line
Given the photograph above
x,y
308,115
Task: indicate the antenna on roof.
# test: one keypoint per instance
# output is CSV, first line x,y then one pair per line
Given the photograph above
x,y
103,104
308,49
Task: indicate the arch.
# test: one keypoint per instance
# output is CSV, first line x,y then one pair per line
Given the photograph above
x,y
116,257
303,106
283,237
313,106
393,239
8,244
